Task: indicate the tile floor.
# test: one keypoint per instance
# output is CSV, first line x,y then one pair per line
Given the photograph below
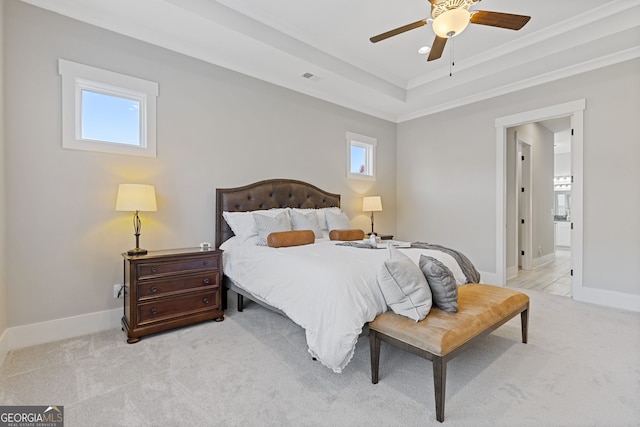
x,y
552,278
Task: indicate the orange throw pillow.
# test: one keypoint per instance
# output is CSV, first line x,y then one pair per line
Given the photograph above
x,y
346,235
283,239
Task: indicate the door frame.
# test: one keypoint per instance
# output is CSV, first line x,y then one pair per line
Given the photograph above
x,y
575,109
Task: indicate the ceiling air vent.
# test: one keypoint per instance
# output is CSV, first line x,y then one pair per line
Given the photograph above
x,y
311,77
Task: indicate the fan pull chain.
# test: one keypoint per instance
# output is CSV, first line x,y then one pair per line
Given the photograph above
x,y
451,55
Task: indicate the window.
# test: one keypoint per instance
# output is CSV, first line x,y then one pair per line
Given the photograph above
x,y
106,111
361,156
109,118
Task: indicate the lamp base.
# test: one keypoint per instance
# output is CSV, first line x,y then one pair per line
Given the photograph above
x,y
137,251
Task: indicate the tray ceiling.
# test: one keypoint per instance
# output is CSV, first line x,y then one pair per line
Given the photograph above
x,y
281,41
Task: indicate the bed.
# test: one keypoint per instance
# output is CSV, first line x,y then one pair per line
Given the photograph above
x,y
330,290
261,195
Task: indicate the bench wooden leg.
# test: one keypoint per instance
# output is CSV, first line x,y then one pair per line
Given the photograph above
x,y
524,320
439,385
374,350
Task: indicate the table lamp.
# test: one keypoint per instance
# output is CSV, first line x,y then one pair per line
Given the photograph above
x,y
372,204
136,198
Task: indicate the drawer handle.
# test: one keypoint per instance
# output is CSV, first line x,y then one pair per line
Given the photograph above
x,y
206,281
205,300
154,311
205,263
153,289
154,270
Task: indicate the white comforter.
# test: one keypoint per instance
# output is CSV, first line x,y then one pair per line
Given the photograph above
x,y
331,291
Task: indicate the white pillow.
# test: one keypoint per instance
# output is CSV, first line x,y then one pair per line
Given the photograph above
x,y
322,221
267,224
337,221
242,223
322,216
404,287
306,221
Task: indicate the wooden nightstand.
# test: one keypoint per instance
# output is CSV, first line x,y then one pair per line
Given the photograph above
x,y
169,289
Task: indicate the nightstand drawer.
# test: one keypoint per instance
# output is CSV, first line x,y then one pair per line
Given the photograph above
x,y
148,270
157,288
165,309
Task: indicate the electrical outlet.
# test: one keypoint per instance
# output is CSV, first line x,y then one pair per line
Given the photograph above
x,y
116,290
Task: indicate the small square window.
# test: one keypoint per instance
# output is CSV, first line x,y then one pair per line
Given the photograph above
x,y
106,111
110,118
361,155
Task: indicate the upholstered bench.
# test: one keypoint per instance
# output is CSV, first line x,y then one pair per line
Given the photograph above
x,y
441,336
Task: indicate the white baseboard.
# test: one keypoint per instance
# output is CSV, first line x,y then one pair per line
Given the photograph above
x,y
59,329
606,298
613,299
69,327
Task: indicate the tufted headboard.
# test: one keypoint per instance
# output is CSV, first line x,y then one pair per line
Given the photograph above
x,y
268,194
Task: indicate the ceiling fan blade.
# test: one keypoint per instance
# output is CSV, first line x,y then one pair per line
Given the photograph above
x,y
498,19
437,48
399,30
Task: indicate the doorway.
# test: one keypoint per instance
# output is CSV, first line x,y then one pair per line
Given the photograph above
x,y
575,111
545,266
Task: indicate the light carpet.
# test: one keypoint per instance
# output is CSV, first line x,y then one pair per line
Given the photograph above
x,y
581,367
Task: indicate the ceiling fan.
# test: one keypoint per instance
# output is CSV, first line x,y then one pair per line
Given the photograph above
x,y
449,18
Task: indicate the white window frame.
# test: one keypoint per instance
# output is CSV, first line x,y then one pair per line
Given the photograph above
x,y
78,77
369,144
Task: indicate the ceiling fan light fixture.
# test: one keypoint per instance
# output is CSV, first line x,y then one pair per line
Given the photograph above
x,y
451,23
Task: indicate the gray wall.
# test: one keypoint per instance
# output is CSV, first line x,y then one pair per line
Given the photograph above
x,y
3,183
216,128
447,163
446,182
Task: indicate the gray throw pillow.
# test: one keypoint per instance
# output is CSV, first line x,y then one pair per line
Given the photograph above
x,y
404,287
442,283
270,224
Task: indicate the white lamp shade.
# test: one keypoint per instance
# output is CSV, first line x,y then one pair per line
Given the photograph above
x,y
136,197
451,23
371,204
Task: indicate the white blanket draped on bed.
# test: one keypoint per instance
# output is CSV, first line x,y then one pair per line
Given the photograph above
x,y
331,291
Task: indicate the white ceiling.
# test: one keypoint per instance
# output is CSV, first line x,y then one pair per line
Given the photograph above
x,y
280,40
